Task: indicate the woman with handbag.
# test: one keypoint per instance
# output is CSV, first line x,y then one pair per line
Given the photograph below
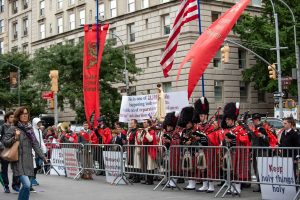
x,y
22,134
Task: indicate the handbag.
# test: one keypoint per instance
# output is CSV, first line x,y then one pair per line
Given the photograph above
x,y
11,154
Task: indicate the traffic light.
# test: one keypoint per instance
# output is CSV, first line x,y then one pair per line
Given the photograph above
x,y
272,71
225,54
54,80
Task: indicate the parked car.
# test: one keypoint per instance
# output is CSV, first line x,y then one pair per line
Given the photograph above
x,y
274,122
76,128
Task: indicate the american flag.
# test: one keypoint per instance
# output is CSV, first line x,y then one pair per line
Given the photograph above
x,y
188,11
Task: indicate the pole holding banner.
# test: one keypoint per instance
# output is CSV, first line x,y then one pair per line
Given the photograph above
x,y
200,32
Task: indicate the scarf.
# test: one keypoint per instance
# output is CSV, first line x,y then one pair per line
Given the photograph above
x,y
28,130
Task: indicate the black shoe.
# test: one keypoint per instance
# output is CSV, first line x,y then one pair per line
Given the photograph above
x,y
6,190
32,190
180,180
189,188
210,191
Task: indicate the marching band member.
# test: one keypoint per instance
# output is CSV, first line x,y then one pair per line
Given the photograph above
x,y
67,135
133,153
148,137
236,135
172,137
187,138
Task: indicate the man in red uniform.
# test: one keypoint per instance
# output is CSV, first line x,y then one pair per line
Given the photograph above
x,y
236,135
172,137
67,135
87,136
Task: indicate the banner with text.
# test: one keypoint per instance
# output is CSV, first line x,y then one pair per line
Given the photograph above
x,y
71,162
143,106
57,162
276,171
113,166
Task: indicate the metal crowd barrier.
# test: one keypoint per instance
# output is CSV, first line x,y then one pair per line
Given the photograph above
x,y
278,166
106,158
65,158
204,163
144,163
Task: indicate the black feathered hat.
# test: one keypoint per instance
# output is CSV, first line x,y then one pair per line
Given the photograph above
x,y
186,116
171,119
231,111
201,107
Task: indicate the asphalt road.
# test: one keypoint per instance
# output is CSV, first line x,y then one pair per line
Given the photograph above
x,y
61,188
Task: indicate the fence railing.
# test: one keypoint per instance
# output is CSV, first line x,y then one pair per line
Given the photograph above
x,y
254,165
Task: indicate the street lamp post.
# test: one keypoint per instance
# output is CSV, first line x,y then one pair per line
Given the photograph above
x,y
125,64
296,49
277,48
19,74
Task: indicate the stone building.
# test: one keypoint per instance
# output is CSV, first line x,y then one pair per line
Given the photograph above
x,y
27,25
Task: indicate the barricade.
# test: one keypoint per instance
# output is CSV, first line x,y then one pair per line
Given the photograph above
x,y
65,159
204,163
106,158
146,162
265,166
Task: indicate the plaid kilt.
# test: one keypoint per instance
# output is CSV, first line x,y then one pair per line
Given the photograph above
x,y
241,159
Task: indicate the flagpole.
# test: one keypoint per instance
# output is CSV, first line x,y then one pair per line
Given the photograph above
x,y
200,32
97,22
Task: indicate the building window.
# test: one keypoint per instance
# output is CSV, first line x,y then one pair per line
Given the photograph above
x,y
146,23
131,5
14,7
71,2
1,26
243,91
25,48
166,24
25,4
147,62
215,16
113,8
81,39
131,32
15,30
261,96
59,4
50,28
257,3
167,87
25,26
112,36
165,1
71,42
14,49
72,21
42,31
242,58
42,8
218,91
145,4
2,5
60,27
217,59
82,17
1,47
101,11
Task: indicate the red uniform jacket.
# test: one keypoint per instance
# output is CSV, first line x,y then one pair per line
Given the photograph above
x,y
106,135
89,137
151,150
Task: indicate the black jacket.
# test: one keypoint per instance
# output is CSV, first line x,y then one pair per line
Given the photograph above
x,y
3,129
290,139
260,141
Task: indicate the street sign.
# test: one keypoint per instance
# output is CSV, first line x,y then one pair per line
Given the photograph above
x,y
47,95
277,94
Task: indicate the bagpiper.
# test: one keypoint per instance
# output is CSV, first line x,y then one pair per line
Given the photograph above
x,y
171,137
236,135
187,139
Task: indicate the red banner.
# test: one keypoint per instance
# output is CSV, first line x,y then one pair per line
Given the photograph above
x,y
209,43
91,68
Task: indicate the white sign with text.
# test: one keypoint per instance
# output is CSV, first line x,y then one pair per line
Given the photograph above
x,y
57,162
112,163
71,162
276,171
145,106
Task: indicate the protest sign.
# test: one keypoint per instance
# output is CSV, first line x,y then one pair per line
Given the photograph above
x,y
57,162
71,163
113,165
143,106
276,171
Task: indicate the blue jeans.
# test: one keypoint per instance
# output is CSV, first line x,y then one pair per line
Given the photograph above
x,y
25,189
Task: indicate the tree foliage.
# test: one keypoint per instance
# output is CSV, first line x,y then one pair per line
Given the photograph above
x,y
258,34
68,60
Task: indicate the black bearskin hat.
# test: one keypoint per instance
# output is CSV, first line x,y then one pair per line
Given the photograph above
x,y
171,119
201,107
186,116
231,111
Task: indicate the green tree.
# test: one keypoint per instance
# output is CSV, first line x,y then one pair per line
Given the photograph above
x,y
258,34
29,94
68,59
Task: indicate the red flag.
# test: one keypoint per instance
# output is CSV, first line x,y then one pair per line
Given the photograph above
x,y
91,66
209,43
